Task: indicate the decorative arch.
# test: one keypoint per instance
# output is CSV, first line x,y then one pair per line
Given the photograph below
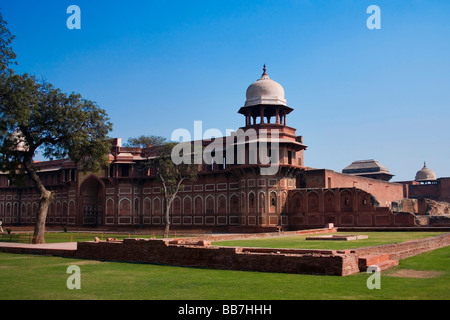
x,y
284,202
296,203
157,206
187,205
92,197
110,207
124,207
147,206
210,204
221,204
243,202
234,204
52,208
273,201
198,205
71,208
58,208
136,207
364,201
346,200
251,202
313,201
65,209
329,201
262,202
176,206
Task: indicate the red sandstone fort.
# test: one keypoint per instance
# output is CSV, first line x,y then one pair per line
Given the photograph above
x,y
234,196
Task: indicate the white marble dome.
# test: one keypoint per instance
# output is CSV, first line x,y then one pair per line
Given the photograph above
x,y
265,91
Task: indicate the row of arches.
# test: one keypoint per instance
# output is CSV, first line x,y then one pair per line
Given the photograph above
x,y
252,202
235,203
30,209
329,201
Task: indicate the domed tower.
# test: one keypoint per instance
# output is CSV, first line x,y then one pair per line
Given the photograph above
x,y
265,99
265,108
425,174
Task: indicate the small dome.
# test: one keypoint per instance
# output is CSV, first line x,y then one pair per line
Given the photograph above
x,y
265,91
425,174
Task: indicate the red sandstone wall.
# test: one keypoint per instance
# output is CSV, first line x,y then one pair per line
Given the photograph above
x,y
160,252
347,207
424,191
385,192
407,249
444,192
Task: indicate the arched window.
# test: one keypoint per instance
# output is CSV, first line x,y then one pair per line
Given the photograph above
x,y
234,204
125,207
209,205
176,206
187,205
147,207
198,204
313,202
222,204
262,202
110,207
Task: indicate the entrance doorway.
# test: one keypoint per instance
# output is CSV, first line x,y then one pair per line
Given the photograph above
x,y
92,202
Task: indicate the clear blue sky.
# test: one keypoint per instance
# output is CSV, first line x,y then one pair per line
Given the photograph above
x,y
156,66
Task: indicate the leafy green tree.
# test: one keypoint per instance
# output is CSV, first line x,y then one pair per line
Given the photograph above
x,y
145,141
7,55
35,115
169,174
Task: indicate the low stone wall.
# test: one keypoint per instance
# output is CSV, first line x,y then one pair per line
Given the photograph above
x,y
406,249
327,262
245,236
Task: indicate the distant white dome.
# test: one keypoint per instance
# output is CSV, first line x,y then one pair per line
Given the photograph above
x,y
265,91
425,174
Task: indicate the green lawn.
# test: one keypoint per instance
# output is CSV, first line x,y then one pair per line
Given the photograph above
x,y
56,237
299,242
39,277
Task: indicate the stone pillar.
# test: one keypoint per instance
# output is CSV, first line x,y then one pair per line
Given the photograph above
x,y
261,112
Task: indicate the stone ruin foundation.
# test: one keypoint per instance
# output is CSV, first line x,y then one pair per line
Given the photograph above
x,y
201,254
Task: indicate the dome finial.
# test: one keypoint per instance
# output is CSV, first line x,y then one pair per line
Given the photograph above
x,y
264,76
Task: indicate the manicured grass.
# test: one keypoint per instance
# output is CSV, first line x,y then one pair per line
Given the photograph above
x,y
57,237
297,242
38,277
300,242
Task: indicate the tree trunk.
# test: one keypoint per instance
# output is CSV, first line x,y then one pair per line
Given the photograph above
x,y
167,218
44,202
39,229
